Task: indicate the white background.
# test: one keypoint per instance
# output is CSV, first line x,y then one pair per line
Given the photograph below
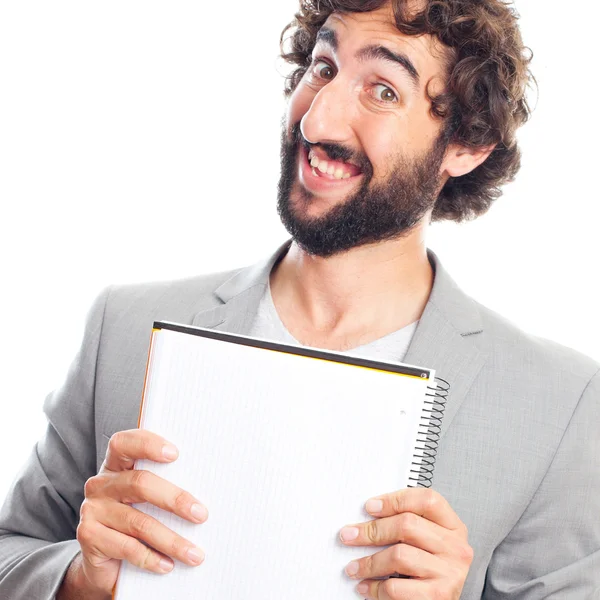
x,y
140,141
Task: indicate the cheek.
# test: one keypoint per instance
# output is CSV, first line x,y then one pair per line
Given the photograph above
x,y
421,130
382,141
299,104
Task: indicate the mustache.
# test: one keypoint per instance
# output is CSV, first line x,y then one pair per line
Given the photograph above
x,y
333,151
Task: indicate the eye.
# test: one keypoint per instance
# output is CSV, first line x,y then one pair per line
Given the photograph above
x,y
322,70
383,93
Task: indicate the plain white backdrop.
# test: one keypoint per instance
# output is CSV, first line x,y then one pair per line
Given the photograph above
x,y
140,141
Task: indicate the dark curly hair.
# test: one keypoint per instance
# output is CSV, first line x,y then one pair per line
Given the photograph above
x,y
484,103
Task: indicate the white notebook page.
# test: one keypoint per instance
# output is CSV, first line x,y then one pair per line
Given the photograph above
x,y
284,450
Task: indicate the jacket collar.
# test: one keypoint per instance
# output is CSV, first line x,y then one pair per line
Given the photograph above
x,y
448,337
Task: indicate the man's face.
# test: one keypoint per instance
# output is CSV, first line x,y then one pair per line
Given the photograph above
x,y
361,116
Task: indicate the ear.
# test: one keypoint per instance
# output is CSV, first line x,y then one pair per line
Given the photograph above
x,y
460,160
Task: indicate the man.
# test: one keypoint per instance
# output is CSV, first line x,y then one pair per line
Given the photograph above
x,y
399,114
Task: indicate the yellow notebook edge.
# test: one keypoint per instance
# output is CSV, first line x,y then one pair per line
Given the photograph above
x,y
151,347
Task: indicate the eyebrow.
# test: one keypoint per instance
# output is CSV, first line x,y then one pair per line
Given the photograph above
x,y
374,52
327,36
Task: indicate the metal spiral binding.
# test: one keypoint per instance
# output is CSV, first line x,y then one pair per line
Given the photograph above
x,y
429,434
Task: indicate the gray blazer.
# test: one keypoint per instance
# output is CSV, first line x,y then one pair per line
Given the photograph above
x,y
518,458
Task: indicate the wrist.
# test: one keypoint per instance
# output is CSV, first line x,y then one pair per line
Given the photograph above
x,y
76,586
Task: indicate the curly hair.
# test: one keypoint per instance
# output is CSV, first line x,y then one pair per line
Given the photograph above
x,y
483,103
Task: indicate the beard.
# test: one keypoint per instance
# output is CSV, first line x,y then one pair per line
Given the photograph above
x,y
374,213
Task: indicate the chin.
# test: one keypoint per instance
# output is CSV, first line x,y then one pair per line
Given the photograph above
x,y
310,210
308,205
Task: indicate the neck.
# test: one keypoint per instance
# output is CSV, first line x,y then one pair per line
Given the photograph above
x,y
354,297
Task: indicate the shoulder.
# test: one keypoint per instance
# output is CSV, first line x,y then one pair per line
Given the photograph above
x,y
533,360
197,292
122,308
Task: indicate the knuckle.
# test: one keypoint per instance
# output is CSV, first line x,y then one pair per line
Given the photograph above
x,y
140,479
116,442
84,534
466,553
181,501
146,557
398,554
131,549
140,524
372,531
408,522
439,593
392,588
146,444
178,546
366,566
436,594
464,530
81,533
397,503
86,512
92,485
432,498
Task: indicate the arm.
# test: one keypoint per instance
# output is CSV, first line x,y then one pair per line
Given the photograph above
x,y
39,518
553,552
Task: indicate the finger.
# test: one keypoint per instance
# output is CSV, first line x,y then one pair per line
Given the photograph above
x,y
424,502
143,486
394,589
407,528
96,539
125,447
135,523
399,558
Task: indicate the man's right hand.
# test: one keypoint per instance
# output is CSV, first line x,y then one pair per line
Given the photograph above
x,y
110,530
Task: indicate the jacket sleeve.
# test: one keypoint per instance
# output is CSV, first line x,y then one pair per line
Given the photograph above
x,y
553,552
39,517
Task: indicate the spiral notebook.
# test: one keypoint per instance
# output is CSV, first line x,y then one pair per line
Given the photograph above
x,y
284,445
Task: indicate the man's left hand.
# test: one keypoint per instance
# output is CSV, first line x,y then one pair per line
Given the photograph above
x,y
430,547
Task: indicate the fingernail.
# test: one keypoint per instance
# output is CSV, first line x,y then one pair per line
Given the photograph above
x,y
374,506
165,565
170,452
199,512
362,588
195,555
347,534
352,568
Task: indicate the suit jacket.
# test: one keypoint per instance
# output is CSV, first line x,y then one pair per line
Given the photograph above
x,y
518,458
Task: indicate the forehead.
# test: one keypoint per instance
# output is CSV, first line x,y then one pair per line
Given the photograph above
x,y
378,27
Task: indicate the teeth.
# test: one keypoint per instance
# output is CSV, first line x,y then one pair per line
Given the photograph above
x,y
325,167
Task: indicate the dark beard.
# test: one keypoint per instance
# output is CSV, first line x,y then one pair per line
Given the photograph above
x,y
373,214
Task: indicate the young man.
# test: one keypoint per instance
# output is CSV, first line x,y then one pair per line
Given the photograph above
x,y
399,114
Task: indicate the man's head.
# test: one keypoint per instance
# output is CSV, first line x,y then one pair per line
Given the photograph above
x,y
413,105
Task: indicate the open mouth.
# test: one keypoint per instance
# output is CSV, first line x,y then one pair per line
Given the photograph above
x,y
331,169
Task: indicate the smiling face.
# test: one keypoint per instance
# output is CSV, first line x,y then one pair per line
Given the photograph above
x,y
362,156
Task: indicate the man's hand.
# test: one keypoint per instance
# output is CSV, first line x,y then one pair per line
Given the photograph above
x,y
430,547
110,530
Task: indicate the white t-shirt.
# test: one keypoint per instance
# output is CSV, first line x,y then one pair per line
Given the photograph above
x,y
390,348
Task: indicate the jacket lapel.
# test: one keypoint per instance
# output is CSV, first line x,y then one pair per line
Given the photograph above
x,y
241,296
447,338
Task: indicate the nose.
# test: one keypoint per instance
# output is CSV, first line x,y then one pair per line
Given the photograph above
x,y
328,119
